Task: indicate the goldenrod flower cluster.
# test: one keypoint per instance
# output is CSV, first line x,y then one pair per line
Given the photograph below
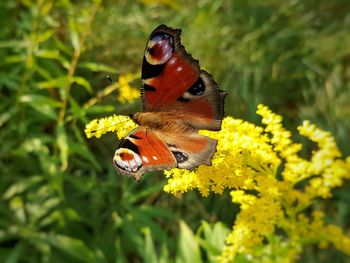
x,y
127,93
272,183
122,125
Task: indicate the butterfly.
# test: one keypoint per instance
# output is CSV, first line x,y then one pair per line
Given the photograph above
x,y
178,99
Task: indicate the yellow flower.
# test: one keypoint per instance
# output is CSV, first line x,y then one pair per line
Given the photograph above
x,y
247,161
242,152
122,125
262,170
127,93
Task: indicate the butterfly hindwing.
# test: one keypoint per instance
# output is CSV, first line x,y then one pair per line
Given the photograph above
x,y
145,150
190,149
142,151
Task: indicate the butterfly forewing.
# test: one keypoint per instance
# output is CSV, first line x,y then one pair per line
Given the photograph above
x,y
172,81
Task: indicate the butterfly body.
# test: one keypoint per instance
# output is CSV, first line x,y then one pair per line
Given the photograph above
x,y
166,121
178,100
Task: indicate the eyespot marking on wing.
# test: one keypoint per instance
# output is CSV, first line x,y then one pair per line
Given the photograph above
x,y
196,89
127,160
159,48
180,156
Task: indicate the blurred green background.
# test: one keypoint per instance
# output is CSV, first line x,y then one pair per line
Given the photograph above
x,y
62,201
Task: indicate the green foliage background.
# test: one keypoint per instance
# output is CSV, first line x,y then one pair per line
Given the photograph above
x,y
62,201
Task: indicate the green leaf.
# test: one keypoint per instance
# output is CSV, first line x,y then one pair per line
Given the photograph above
x,y
188,247
39,99
62,144
157,212
72,246
7,115
15,254
217,235
146,220
150,254
132,238
59,215
14,59
60,82
97,67
214,239
22,185
164,254
42,104
98,109
120,253
48,53
83,82
43,72
74,36
45,35
83,151
136,197
13,44
77,111
39,211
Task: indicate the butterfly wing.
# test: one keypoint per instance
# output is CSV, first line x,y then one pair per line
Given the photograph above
x,y
172,81
145,150
190,150
142,151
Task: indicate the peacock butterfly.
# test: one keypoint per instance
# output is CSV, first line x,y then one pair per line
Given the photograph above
x,y
178,99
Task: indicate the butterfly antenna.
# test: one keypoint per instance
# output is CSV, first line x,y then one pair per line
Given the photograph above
x,y
117,87
109,78
109,126
103,93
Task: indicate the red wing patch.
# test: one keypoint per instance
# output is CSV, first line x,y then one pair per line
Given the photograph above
x,y
174,80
